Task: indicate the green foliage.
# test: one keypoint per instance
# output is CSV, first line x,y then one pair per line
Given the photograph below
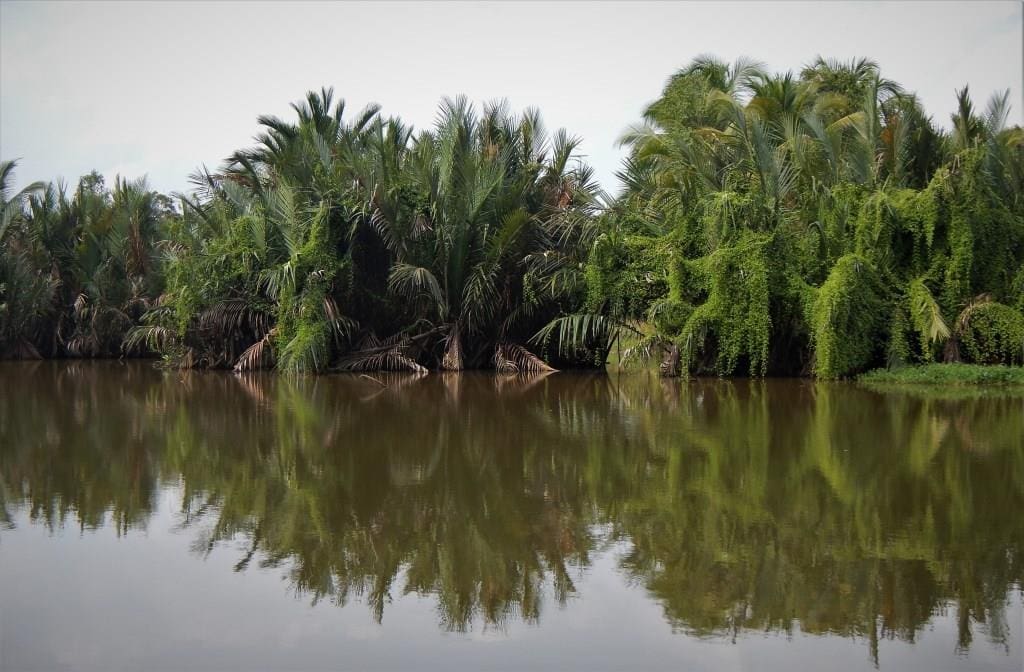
x,y
769,223
947,374
995,335
357,244
898,351
926,318
1017,290
735,316
626,275
77,271
883,227
847,318
898,228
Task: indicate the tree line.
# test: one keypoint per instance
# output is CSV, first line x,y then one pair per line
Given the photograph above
x,y
812,223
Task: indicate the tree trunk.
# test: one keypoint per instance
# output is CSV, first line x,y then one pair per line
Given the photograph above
x,y
452,360
670,362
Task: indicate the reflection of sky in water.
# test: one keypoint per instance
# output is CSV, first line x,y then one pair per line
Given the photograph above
x,y
92,601
598,522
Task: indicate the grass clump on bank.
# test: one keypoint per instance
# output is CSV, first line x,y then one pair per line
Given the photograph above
x,y
947,374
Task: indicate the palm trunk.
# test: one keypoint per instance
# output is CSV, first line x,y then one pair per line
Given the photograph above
x,y
453,360
670,363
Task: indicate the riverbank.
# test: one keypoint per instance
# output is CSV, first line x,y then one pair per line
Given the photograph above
x,y
947,374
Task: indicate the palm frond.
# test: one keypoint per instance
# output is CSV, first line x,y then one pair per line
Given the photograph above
x,y
391,354
259,355
514,358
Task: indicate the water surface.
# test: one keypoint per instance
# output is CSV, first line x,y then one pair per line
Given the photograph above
x,y
204,521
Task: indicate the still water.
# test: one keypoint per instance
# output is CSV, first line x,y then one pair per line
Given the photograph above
x,y
204,521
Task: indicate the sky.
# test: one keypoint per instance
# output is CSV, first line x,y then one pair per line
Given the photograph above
x,y
161,88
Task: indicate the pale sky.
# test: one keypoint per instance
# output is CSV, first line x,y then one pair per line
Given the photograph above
x,y
160,88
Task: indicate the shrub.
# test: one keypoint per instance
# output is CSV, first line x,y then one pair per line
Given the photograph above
x,y
995,335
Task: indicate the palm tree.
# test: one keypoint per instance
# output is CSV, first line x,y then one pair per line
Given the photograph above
x,y
12,205
26,291
503,209
825,197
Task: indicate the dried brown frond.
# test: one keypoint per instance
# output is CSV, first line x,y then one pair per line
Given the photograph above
x,y
341,325
964,319
391,354
503,364
231,315
188,360
513,358
81,346
259,355
420,225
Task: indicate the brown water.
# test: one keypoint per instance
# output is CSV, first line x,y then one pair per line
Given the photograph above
x,y
175,521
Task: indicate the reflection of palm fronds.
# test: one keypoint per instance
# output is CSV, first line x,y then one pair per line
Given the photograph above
x,y
513,358
392,382
398,381
519,382
256,388
452,386
391,354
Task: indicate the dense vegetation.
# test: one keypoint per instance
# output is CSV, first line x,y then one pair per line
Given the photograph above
x,y
947,374
351,244
77,270
816,224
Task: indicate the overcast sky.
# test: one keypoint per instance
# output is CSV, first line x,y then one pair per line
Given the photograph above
x,y
161,88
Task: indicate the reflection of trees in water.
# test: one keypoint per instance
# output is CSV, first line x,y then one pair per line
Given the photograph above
x,y
349,486
747,505
77,442
849,512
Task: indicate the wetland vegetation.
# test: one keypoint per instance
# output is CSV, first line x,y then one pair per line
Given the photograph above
x,y
816,223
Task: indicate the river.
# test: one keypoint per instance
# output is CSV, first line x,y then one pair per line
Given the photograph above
x,y
175,520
